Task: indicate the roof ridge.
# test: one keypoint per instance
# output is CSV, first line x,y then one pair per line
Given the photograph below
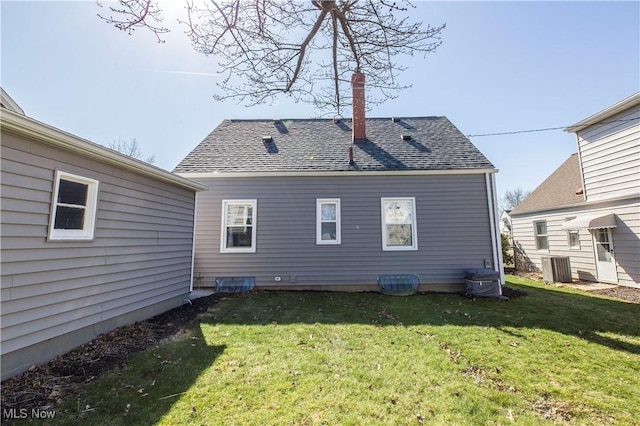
x,y
319,119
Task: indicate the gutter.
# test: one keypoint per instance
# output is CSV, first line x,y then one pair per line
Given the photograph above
x,y
28,127
325,173
596,118
571,206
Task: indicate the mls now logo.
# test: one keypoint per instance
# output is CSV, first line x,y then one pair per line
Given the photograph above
x,y
23,413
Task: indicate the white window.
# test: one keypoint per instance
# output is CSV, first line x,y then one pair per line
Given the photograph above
x,y
542,239
73,208
573,236
328,221
238,226
399,224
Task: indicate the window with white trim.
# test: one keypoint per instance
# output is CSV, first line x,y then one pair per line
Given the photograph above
x,y
573,236
73,208
542,238
238,226
399,224
328,221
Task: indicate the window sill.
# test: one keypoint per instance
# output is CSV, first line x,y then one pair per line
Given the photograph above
x,y
399,249
60,238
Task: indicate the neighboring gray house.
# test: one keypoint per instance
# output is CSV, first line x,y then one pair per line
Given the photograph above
x,y
333,204
91,240
589,209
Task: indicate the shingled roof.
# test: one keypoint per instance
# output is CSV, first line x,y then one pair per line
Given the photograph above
x,y
562,188
322,145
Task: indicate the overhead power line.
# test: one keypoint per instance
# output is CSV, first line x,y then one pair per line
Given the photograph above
x,y
515,132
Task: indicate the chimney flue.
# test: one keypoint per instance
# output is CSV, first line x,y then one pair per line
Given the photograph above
x,y
357,87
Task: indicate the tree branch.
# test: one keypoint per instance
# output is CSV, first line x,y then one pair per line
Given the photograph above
x,y
258,50
303,48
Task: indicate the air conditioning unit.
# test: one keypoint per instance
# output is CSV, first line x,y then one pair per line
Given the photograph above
x,y
556,269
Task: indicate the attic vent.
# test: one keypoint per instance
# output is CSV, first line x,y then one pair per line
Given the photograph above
x,y
277,121
405,137
267,139
395,119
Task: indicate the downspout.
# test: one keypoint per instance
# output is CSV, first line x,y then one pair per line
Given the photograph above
x,y
494,229
584,186
193,241
497,234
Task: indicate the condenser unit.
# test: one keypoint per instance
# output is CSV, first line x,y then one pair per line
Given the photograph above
x,y
556,269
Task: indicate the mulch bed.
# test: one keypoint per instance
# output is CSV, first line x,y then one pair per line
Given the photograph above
x,y
512,293
627,294
46,385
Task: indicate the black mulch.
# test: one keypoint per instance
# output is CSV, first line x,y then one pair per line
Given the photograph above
x,y
47,384
512,293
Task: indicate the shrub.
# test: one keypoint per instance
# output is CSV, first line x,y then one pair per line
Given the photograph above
x,y
507,258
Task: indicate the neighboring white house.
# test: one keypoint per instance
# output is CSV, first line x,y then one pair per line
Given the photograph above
x,y
505,223
589,209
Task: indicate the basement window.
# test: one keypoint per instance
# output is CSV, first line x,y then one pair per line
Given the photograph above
x,y
328,221
238,226
73,208
399,224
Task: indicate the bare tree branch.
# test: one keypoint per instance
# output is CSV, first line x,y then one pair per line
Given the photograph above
x,y
305,50
132,149
136,14
512,198
334,56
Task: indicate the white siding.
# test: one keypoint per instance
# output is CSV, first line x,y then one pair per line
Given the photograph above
x,y
625,240
56,295
610,155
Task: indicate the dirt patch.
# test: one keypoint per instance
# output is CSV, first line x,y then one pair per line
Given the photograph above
x,y
628,294
43,386
556,411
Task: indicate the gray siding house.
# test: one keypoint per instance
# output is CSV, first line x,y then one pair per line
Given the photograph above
x,y
91,240
334,204
589,209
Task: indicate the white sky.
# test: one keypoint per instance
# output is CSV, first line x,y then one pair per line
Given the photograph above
x,y
503,66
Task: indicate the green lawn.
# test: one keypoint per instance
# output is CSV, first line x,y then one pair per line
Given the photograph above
x,y
555,356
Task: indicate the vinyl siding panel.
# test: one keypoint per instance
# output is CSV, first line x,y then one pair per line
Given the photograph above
x,y
452,224
610,155
60,294
626,242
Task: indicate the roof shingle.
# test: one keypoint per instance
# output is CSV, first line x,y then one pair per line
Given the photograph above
x,y
561,189
318,145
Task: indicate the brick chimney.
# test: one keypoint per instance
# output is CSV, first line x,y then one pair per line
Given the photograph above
x,y
357,87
